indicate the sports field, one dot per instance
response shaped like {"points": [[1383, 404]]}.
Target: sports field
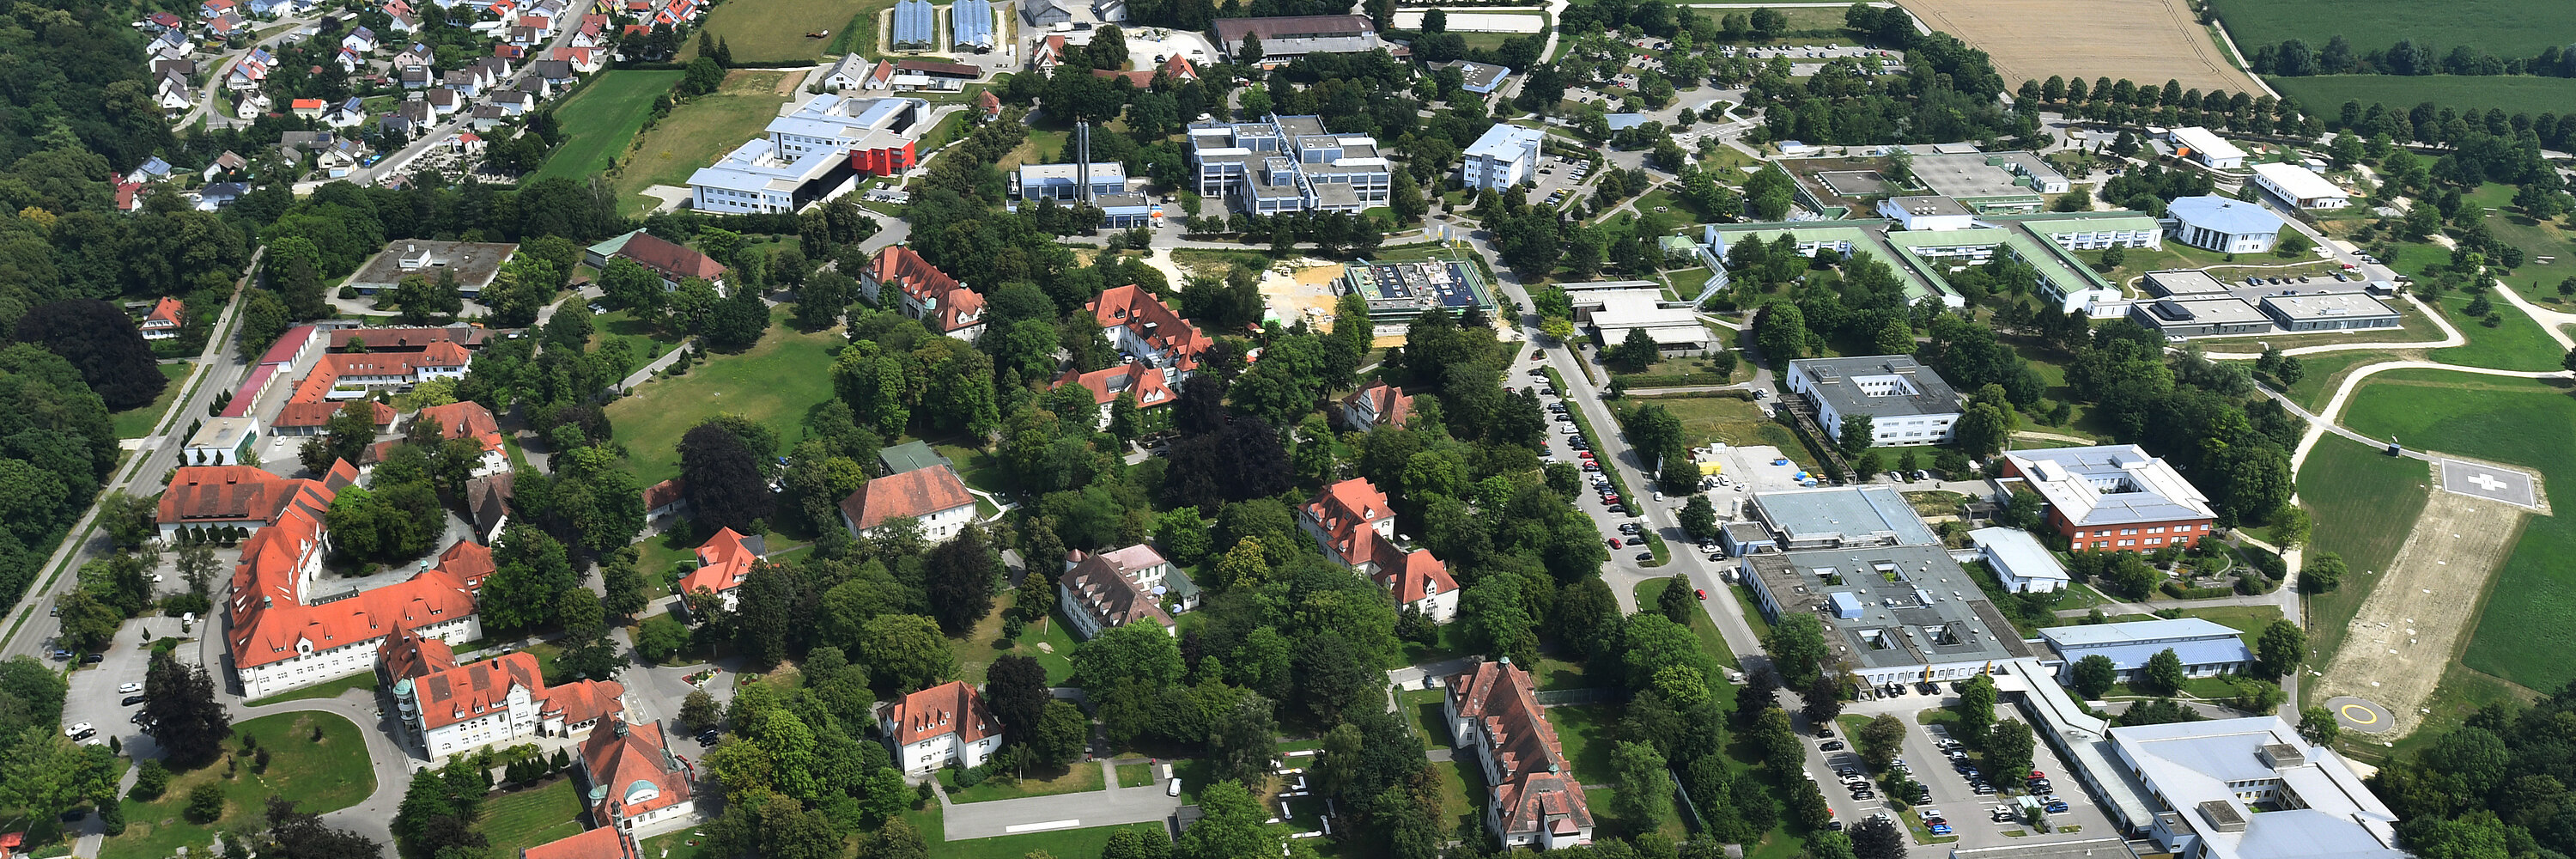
{"points": [[608, 114], [2511, 28], [2523, 634], [695, 134], [772, 32], [2148, 41], [2325, 94]]}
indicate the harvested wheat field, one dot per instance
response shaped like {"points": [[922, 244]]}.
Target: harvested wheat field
{"points": [[2147, 41], [2408, 631]]}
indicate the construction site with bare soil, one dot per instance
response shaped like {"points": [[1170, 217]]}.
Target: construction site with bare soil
{"points": [[2146, 41]]}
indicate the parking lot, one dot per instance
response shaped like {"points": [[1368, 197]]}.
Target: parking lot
{"points": [[1967, 813], [1560, 180], [97, 691]]}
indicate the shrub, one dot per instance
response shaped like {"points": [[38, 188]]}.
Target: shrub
{"points": [[112, 816], [150, 780], [205, 803]]}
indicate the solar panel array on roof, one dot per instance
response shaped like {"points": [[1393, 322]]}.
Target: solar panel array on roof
{"points": [[913, 27], [970, 24]]}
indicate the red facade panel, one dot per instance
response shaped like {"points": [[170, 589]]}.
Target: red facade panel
{"points": [[884, 161]]}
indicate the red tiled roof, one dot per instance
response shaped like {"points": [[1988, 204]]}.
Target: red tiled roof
{"points": [[467, 419], [267, 631], [1411, 576], [723, 562], [1139, 311], [473, 689], [606, 842], [671, 261], [470, 562], [925, 284], [1345, 509], [1390, 404], [165, 313], [1534, 790], [948, 708], [622, 757], [662, 493], [412, 339], [1146, 382], [988, 102], [205, 493], [305, 104], [407, 655], [318, 412], [917, 493]]}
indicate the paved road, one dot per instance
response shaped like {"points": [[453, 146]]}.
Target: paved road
{"points": [[423, 140], [1110, 807], [221, 65]]}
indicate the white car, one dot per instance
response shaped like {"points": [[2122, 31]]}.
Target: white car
{"points": [[79, 731], [1172, 789], [129, 688]]}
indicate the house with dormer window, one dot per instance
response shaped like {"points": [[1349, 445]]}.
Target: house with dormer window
{"points": [[938, 726], [1533, 799], [1354, 526], [923, 292], [1153, 394], [452, 709]]}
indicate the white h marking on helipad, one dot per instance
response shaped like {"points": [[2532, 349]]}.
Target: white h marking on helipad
{"points": [[2487, 482]]}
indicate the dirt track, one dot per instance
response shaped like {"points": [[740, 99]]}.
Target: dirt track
{"points": [[2410, 629], [2147, 41]]}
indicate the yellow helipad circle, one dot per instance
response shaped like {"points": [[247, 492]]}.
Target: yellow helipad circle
{"points": [[2360, 714]]}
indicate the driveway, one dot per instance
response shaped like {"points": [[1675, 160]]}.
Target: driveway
{"points": [[1084, 810]]}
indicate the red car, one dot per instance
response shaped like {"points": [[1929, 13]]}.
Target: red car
{"points": [[1584, 453], [2035, 774], [1613, 541], [1609, 498], [1702, 593], [1591, 466]]}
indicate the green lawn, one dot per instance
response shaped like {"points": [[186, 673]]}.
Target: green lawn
{"points": [[1587, 730], [522, 819], [1135, 775], [1062, 843], [773, 382], [608, 113], [329, 775], [361, 680], [695, 134], [138, 422], [1734, 421], [2364, 503], [2522, 634], [1684, 370], [2322, 373], [2502, 27], [765, 32], [1082, 776], [1425, 708], [2518, 344], [655, 340], [673, 845], [1056, 656]]}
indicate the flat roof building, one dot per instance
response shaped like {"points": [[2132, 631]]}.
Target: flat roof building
{"points": [[2238, 789], [2202, 145], [1064, 182], [1839, 517], [2329, 312], [1906, 402], [2182, 283], [1927, 213], [2207, 649], [1289, 37], [1894, 614], [2113, 497], [1281, 164], [473, 264], [1506, 155], [756, 178], [2019, 561], [1989, 182], [878, 134], [1479, 78], [2190, 316], [1397, 292], [2220, 224], [1611, 309], [2300, 186]]}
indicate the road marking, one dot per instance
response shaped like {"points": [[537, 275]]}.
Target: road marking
{"points": [[2360, 714], [1041, 827]]}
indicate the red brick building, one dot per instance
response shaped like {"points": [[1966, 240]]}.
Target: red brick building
{"points": [[2113, 497]]}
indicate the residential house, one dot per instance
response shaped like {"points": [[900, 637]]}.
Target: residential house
{"points": [[361, 40], [1116, 588], [229, 162], [445, 101], [228, 26], [636, 784], [1533, 799], [470, 420], [349, 114], [554, 73], [943, 724], [1153, 395], [212, 9], [510, 102], [933, 497], [1354, 525], [923, 292], [584, 59], [348, 60], [152, 169], [1147, 331], [250, 71], [413, 77], [1048, 54], [723, 562], [673, 262], [487, 504], [416, 55], [1379, 404], [172, 92], [499, 701], [486, 117], [308, 108], [216, 195], [988, 105], [664, 499], [167, 317]]}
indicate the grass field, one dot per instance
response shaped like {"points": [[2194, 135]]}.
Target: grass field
{"points": [[1803, 21], [2364, 503], [699, 132], [1733, 421], [2518, 344], [2509, 93], [523, 819], [137, 422], [772, 32], [2248, 619], [1082, 776], [320, 776], [2522, 635], [2325, 371], [608, 113], [2510, 28], [773, 382]]}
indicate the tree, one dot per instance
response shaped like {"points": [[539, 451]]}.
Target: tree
{"points": [[296, 835], [1699, 518], [206, 803], [1061, 734], [959, 578], [197, 567], [1675, 602], [2094, 675], [907, 652], [723, 478], [2163, 674], [1976, 706], [1015, 687], [2318, 725], [1880, 740], [1635, 352], [1877, 838], [2281, 648], [623, 589], [1824, 700], [1245, 740], [699, 710], [1249, 52], [1855, 435], [1231, 826], [1645, 794], [186, 720], [2008, 748], [102, 344], [43, 772], [2321, 572], [1797, 647]]}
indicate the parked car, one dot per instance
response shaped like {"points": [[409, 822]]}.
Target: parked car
{"points": [[1636, 541], [129, 688], [93, 658], [1613, 541], [131, 700], [2055, 806], [1645, 556], [1701, 593], [1830, 746]]}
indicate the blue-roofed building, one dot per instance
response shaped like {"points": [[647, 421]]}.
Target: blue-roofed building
{"points": [[970, 25], [914, 26], [2207, 649], [2221, 224]]}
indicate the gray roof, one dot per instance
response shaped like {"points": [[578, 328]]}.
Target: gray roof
{"points": [[2335, 306], [970, 22], [2130, 645], [1835, 385], [913, 22], [1890, 606], [2188, 767], [2109, 485], [1842, 516], [909, 456], [2095, 848], [1929, 205], [2221, 309], [2184, 282], [2224, 215], [2018, 553], [1480, 78]]}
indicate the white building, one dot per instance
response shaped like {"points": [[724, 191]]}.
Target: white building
{"points": [[876, 133], [1505, 156], [2202, 145], [1289, 164], [222, 441], [1907, 403], [933, 497], [2206, 648], [1927, 213], [1117, 588], [1063, 183], [502, 700], [1611, 309], [2019, 560], [755, 178], [943, 724], [2219, 224], [636, 785], [2300, 186], [2194, 788]]}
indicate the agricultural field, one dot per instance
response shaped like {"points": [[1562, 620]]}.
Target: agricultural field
{"points": [[2145, 41], [699, 132], [773, 32], [609, 113], [1805, 23], [2512, 94], [2522, 635], [2502, 27]]}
